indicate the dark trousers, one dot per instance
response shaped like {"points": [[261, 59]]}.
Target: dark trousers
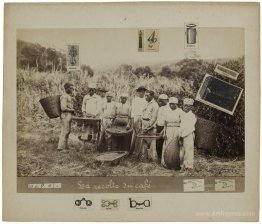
{"points": [[159, 142]]}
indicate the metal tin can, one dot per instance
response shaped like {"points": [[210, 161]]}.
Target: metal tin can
{"points": [[191, 33]]}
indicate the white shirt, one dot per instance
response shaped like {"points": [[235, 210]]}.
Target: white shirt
{"points": [[188, 121], [161, 115], [102, 102], [109, 110], [91, 104], [122, 109], [137, 106], [173, 116], [150, 112]]}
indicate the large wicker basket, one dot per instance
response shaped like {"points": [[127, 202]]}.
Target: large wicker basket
{"points": [[112, 158], [119, 130], [51, 106]]}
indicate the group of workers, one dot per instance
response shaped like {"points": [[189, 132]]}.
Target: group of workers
{"points": [[160, 119]]}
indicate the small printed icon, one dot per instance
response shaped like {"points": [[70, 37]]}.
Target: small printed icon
{"points": [[222, 70], [148, 40], [72, 56], [194, 185], [224, 185], [73, 53], [83, 203], [191, 35], [140, 40], [152, 39], [140, 203], [109, 204]]}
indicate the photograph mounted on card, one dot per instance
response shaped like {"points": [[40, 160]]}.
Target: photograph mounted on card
{"points": [[103, 120], [132, 112]]}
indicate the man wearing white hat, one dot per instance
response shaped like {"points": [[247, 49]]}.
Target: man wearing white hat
{"points": [[172, 121], [108, 115], [90, 108], [123, 108], [102, 94], [160, 123], [187, 128]]}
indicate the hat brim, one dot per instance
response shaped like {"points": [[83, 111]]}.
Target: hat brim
{"points": [[141, 89]]}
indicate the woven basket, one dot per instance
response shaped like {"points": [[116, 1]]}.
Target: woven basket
{"points": [[86, 120], [119, 130], [51, 106], [171, 155], [111, 157]]}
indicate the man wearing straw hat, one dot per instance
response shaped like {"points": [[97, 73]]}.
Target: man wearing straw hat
{"points": [[102, 94], [108, 115], [66, 116], [90, 108], [137, 106]]}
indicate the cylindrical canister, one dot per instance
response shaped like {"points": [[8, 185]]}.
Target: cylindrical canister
{"points": [[191, 33]]}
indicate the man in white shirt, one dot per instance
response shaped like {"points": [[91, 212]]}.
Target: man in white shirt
{"points": [[187, 136], [91, 108], [123, 120], [102, 94], [123, 108], [149, 117], [137, 106], [160, 123], [171, 148], [108, 115]]}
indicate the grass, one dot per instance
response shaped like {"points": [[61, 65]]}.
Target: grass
{"points": [[37, 156]]}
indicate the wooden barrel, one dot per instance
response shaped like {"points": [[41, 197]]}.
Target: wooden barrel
{"points": [[206, 133], [51, 106], [171, 155]]}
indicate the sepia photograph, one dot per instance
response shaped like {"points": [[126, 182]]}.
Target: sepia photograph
{"points": [[131, 112], [134, 114]]}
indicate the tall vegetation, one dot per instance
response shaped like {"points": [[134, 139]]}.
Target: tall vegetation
{"points": [[181, 79]]}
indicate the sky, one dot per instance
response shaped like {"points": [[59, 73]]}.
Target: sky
{"points": [[110, 47]]}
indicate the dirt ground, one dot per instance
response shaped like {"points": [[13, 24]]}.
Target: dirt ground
{"points": [[37, 156]]}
